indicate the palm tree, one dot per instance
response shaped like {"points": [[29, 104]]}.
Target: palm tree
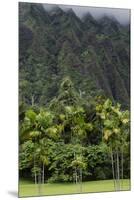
{"points": [[78, 127], [114, 126], [35, 127]]}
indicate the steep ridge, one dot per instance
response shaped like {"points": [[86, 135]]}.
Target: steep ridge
{"points": [[54, 44]]}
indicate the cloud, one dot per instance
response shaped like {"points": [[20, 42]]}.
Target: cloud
{"points": [[122, 15]]}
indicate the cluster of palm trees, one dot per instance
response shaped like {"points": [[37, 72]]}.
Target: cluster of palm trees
{"points": [[65, 119], [115, 128]]}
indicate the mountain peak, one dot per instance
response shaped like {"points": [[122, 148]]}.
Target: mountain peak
{"points": [[90, 21], [70, 10], [87, 16], [71, 13], [56, 10], [62, 44], [108, 19]]}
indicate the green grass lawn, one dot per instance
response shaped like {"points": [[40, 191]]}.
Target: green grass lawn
{"points": [[27, 188]]}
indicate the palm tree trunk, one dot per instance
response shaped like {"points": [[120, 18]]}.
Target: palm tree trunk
{"points": [[39, 183], [35, 178], [76, 180], [80, 180], [35, 175], [43, 173], [122, 167], [118, 170], [113, 171], [75, 170]]}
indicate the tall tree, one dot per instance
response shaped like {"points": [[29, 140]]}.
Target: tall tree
{"points": [[115, 131]]}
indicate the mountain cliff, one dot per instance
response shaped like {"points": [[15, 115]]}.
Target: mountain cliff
{"points": [[54, 44]]}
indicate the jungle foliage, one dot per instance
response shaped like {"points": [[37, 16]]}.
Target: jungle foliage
{"points": [[74, 140], [74, 97], [54, 44]]}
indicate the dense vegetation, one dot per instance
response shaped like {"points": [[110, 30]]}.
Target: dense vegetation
{"points": [[74, 139], [94, 54], [73, 73]]}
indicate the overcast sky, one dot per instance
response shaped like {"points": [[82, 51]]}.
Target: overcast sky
{"points": [[122, 15]]}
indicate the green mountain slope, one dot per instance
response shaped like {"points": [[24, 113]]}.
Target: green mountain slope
{"points": [[55, 44]]}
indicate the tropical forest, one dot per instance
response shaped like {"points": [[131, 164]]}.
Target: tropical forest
{"points": [[74, 102]]}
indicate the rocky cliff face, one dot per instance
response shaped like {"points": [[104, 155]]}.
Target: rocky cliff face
{"points": [[52, 45]]}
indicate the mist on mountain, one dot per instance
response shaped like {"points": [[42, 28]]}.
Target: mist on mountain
{"points": [[121, 15], [54, 43]]}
